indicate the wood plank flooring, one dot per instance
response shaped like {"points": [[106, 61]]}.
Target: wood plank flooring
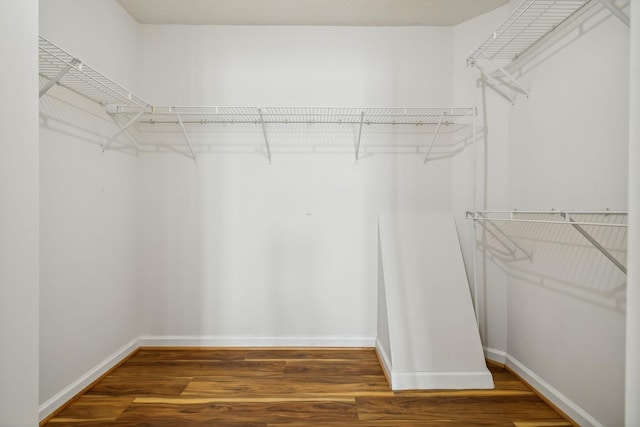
{"points": [[288, 388]]}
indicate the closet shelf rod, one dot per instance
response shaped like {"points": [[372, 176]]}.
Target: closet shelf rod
{"points": [[481, 216], [553, 212]]}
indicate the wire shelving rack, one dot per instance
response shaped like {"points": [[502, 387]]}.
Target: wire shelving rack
{"points": [[576, 219], [527, 24], [58, 67], [530, 23]]}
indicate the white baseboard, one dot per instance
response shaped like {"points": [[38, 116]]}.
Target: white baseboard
{"points": [[433, 380], [225, 341], [441, 380], [384, 358], [563, 403], [495, 355], [62, 397]]}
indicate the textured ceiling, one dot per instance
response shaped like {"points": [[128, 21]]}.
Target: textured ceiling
{"points": [[308, 12]]}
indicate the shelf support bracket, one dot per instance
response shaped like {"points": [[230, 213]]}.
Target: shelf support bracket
{"points": [[616, 12], [504, 245], [122, 129], [493, 83], [435, 135], [359, 136], [594, 242], [186, 137], [264, 133], [508, 76], [505, 235], [57, 78], [134, 143]]}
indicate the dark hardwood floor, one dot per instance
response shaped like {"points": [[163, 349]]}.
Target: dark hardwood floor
{"points": [[288, 388]]}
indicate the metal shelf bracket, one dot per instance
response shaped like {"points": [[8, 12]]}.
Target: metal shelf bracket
{"points": [[186, 137], [63, 71], [435, 135], [608, 4], [594, 242], [264, 133], [122, 129], [359, 136], [495, 83], [502, 234], [484, 216]]}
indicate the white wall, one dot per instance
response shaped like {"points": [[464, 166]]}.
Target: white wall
{"points": [[19, 217], [88, 203], [566, 150], [294, 66], [236, 247]]}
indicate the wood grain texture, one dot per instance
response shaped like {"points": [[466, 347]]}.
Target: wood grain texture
{"points": [[289, 388]]}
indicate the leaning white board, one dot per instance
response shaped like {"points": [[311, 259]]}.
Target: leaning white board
{"points": [[427, 331]]}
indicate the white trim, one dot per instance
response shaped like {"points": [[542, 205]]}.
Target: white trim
{"points": [[441, 380], [229, 341], [67, 393], [495, 355], [565, 404], [384, 358]]}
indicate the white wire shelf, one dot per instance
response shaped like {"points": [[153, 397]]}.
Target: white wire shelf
{"points": [[606, 218], [528, 23], [137, 116], [576, 219], [57, 66], [417, 116], [271, 121]]}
